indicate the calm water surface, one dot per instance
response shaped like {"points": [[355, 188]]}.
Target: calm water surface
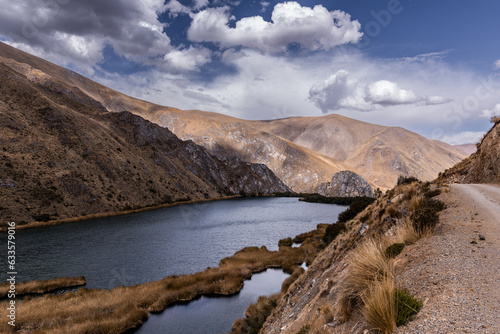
{"points": [[214, 315], [148, 246]]}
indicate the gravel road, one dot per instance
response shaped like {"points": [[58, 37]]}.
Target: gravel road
{"points": [[456, 272]]}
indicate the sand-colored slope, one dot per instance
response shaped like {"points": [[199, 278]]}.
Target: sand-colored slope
{"points": [[303, 152], [379, 153]]}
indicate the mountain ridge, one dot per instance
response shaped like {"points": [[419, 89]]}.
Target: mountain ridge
{"points": [[303, 152]]}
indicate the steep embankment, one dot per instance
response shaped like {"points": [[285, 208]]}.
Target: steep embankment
{"points": [[64, 155], [483, 166], [302, 152]]}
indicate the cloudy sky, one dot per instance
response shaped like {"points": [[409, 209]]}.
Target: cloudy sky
{"points": [[432, 67]]}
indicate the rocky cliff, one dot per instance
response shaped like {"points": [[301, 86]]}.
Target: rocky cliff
{"points": [[64, 155], [345, 184]]}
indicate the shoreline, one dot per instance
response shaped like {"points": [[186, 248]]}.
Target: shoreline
{"points": [[118, 213]]}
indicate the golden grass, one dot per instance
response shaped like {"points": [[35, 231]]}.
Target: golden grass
{"points": [[379, 304], [123, 308], [36, 287], [366, 264]]}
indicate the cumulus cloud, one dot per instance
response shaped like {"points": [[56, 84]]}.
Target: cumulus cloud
{"points": [[497, 64], [77, 31], [489, 113], [188, 59], [340, 91], [313, 28]]}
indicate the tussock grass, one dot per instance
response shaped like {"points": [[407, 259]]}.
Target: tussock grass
{"points": [[40, 287], [366, 265], [379, 304]]}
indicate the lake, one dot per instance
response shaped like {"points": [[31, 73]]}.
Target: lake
{"points": [[147, 246]]}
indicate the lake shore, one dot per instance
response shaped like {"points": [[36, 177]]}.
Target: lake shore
{"points": [[116, 213]]}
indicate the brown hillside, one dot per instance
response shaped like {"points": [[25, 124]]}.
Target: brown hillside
{"points": [[483, 166], [63, 155], [302, 152], [378, 153]]}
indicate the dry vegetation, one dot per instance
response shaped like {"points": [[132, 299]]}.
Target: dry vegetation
{"points": [[40, 287], [352, 283], [124, 308]]}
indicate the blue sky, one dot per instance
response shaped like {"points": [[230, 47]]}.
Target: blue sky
{"points": [[432, 67]]}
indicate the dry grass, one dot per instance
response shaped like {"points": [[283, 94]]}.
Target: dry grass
{"points": [[406, 233], [124, 308], [366, 264], [379, 304], [36, 287]]}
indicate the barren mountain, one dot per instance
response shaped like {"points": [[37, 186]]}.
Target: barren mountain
{"points": [[302, 152], [378, 153], [64, 155], [467, 148]]}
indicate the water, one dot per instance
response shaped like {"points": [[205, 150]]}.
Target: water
{"points": [[148, 246], [198, 316]]}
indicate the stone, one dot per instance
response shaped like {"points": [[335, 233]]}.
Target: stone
{"points": [[345, 184]]}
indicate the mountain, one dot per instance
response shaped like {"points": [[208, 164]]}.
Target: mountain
{"points": [[64, 155], [303, 152], [378, 153], [483, 166], [467, 148]]}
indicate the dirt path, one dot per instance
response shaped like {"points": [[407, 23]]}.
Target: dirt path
{"points": [[457, 271]]}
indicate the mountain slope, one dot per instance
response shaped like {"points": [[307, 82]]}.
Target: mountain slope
{"points": [[378, 153], [302, 152], [63, 155], [483, 166]]}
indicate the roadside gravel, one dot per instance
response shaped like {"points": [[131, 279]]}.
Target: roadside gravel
{"points": [[456, 272]]}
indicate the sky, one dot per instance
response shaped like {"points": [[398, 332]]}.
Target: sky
{"points": [[432, 67]]}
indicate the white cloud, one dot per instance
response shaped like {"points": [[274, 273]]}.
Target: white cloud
{"points": [[489, 113], [76, 32], [497, 64], [313, 28], [340, 91], [465, 137], [188, 59], [385, 92]]}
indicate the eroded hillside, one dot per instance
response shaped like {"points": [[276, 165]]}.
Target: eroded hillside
{"points": [[64, 155], [302, 152], [483, 166]]}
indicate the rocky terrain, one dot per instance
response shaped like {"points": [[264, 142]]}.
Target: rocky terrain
{"points": [[345, 184], [483, 166], [64, 155], [378, 153], [302, 152]]}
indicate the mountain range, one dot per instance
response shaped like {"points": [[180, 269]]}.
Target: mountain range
{"points": [[44, 105]]}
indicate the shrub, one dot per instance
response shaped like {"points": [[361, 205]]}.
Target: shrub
{"points": [[356, 207], [406, 179], [332, 231], [407, 306], [285, 242], [425, 213], [432, 193], [394, 250]]}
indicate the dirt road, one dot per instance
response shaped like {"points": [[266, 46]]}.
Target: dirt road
{"points": [[456, 272]]}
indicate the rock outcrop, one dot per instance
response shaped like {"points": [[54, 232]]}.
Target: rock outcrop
{"points": [[345, 184]]}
